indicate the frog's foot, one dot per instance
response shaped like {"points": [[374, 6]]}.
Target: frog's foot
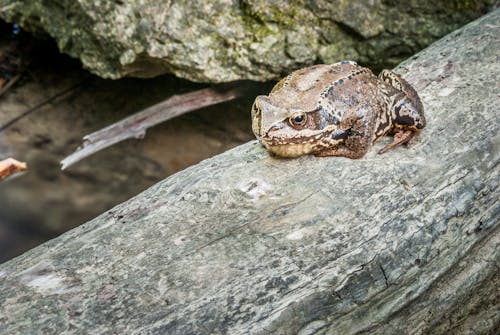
{"points": [[341, 151], [401, 137]]}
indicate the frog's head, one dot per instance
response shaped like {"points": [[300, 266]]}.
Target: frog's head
{"points": [[287, 131]]}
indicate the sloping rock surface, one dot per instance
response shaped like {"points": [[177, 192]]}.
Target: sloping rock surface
{"points": [[225, 40], [244, 243]]}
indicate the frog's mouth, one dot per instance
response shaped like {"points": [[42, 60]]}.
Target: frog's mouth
{"points": [[277, 137], [284, 144], [291, 149], [281, 135]]}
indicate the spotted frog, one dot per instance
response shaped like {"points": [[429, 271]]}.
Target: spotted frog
{"points": [[336, 110]]}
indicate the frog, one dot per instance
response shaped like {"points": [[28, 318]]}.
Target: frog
{"points": [[338, 109]]}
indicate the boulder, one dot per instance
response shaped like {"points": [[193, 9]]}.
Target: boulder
{"points": [[220, 41], [245, 243]]}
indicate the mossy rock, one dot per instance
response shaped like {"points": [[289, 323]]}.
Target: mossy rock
{"points": [[220, 41]]}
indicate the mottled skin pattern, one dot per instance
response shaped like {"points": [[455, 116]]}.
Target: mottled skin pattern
{"points": [[336, 110]]}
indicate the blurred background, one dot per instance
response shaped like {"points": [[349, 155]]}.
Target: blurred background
{"points": [[44, 201]]}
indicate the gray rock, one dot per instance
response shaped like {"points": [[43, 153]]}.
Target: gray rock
{"points": [[218, 41], [244, 243]]}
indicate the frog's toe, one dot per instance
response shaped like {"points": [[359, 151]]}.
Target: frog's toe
{"points": [[401, 137]]}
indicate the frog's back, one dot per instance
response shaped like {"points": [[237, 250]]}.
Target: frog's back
{"points": [[338, 86]]}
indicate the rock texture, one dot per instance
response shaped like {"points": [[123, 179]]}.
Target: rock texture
{"points": [[225, 40], [244, 243]]}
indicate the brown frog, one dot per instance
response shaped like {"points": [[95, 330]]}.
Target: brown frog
{"points": [[336, 110]]}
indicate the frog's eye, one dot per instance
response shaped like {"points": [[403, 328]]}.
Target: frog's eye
{"points": [[298, 119]]}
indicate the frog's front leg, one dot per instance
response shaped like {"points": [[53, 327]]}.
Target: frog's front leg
{"points": [[355, 135], [406, 122], [406, 107], [401, 137]]}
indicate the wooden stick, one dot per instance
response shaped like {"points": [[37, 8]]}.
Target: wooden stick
{"points": [[35, 108], [135, 126], [9, 84], [11, 166]]}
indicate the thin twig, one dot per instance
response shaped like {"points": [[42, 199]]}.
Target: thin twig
{"points": [[135, 126], [9, 84], [41, 104]]}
